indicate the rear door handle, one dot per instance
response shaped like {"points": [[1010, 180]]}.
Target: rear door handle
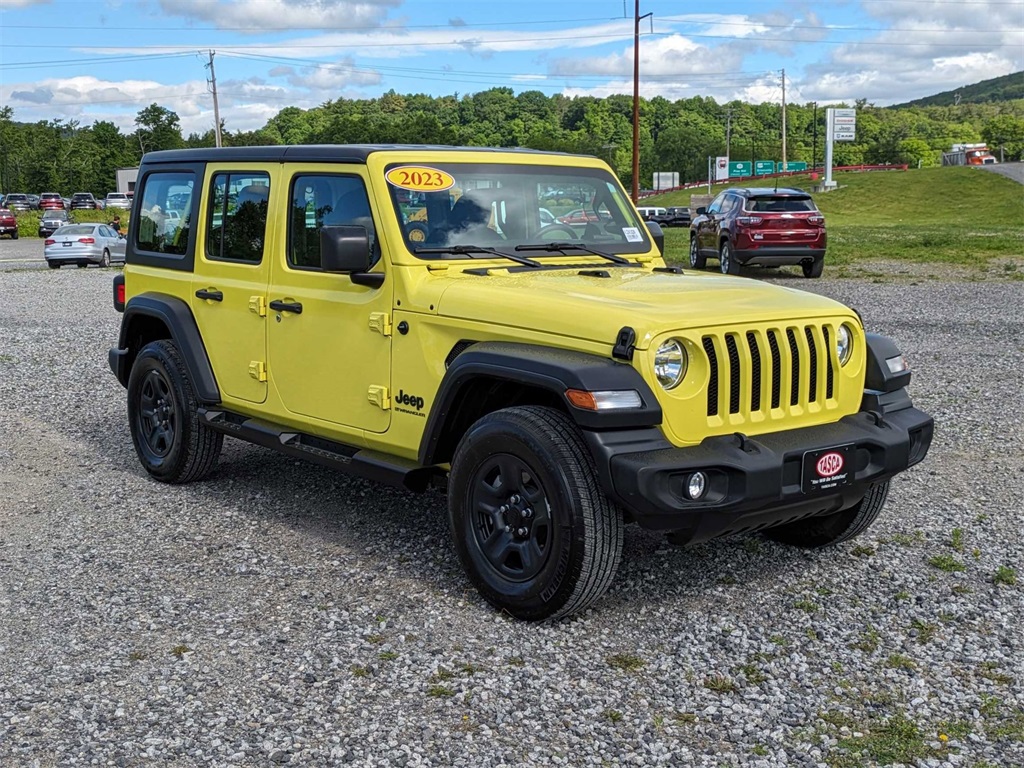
{"points": [[286, 306], [212, 295]]}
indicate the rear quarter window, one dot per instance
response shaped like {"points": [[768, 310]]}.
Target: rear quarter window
{"points": [[158, 231]]}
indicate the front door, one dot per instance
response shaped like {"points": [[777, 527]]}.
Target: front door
{"points": [[329, 339], [231, 273]]}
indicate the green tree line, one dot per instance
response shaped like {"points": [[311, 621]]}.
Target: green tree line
{"points": [[65, 156]]}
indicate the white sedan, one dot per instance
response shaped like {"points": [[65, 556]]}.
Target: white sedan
{"points": [[84, 244]]}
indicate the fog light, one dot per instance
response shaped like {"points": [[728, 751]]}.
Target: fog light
{"points": [[696, 485]]}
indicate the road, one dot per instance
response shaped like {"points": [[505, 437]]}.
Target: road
{"points": [[25, 252], [1013, 171]]}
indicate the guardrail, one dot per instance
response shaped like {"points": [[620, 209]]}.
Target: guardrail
{"points": [[811, 172]]}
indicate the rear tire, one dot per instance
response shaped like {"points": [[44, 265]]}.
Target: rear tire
{"points": [[532, 528], [171, 442], [726, 261], [14, 236], [836, 528], [814, 268], [697, 259]]}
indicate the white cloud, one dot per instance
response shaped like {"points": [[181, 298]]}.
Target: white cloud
{"points": [[390, 42], [342, 74], [263, 15]]}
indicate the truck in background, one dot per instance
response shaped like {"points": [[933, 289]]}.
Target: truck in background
{"points": [[969, 154]]}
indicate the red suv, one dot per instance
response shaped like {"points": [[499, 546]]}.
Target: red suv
{"points": [[8, 224], [769, 227], [50, 201]]}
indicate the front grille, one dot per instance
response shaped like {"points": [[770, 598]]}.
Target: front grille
{"points": [[761, 370]]}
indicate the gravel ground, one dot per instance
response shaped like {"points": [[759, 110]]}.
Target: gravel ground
{"points": [[279, 613]]}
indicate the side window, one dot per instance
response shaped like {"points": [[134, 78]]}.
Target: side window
{"points": [[323, 200], [158, 231], [716, 204], [236, 226]]}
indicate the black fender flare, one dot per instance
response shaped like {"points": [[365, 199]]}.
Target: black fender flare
{"points": [[878, 377], [548, 368], [176, 315]]}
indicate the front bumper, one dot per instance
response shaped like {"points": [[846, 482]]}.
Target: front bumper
{"points": [[757, 482]]}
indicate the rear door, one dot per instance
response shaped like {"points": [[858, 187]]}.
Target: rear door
{"points": [[232, 266]]}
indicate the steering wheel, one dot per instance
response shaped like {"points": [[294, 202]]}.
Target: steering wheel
{"points": [[558, 227]]}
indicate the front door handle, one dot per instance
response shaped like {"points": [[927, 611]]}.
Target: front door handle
{"points": [[212, 295], [286, 306]]}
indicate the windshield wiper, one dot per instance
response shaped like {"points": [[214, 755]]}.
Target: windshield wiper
{"points": [[566, 246], [469, 250]]}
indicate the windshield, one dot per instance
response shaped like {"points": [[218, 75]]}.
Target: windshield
{"points": [[503, 205]]}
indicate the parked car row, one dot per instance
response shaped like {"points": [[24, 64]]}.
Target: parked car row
{"points": [[51, 220], [20, 201]]}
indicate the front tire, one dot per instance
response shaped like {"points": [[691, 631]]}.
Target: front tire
{"points": [[171, 442], [697, 259], [105, 259], [53, 264], [534, 532], [836, 528], [726, 260]]}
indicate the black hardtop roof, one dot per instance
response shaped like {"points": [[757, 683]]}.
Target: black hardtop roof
{"points": [[770, 191], [313, 153]]}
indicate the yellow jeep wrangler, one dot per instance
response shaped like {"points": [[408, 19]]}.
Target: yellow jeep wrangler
{"points": [[545, 367]]}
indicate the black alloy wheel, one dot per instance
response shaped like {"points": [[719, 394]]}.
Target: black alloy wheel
{"points": [[512, 528], [157, 419]]}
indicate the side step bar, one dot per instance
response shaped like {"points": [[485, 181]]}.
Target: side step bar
{"points": [[371, 465]]}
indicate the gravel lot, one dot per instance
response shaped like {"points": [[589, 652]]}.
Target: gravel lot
{"points": [[279, 613]]}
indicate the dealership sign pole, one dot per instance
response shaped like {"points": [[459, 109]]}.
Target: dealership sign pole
{"points": [[840, 125]]}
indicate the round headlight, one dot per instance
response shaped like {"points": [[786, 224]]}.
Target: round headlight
{"points": [[844, 344], [670, 364]]}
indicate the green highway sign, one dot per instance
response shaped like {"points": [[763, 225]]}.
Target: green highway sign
{"points": [[739, 168], [793, 165], [762, 167]]}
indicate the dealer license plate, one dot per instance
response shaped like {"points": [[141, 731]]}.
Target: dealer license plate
{"points": [[828, 468]]}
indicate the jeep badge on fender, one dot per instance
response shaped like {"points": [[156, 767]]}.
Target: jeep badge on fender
{"points": [[267, 295]]}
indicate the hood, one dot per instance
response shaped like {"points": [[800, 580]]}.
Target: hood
{"points": [[594, 308]]}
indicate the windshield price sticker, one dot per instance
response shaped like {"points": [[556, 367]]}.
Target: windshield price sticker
{"points": [[418, 178], [632, 235]]}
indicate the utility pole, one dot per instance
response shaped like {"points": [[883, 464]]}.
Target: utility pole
{"points": [[636, 99], [216, 107], [784, 120], [728, 132]]}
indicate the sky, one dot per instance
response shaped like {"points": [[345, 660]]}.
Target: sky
{"points": [[89, 60]]}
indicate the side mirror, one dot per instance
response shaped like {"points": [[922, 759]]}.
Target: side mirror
{"points": [[702, 210], [657, 235], [345, 249]]}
